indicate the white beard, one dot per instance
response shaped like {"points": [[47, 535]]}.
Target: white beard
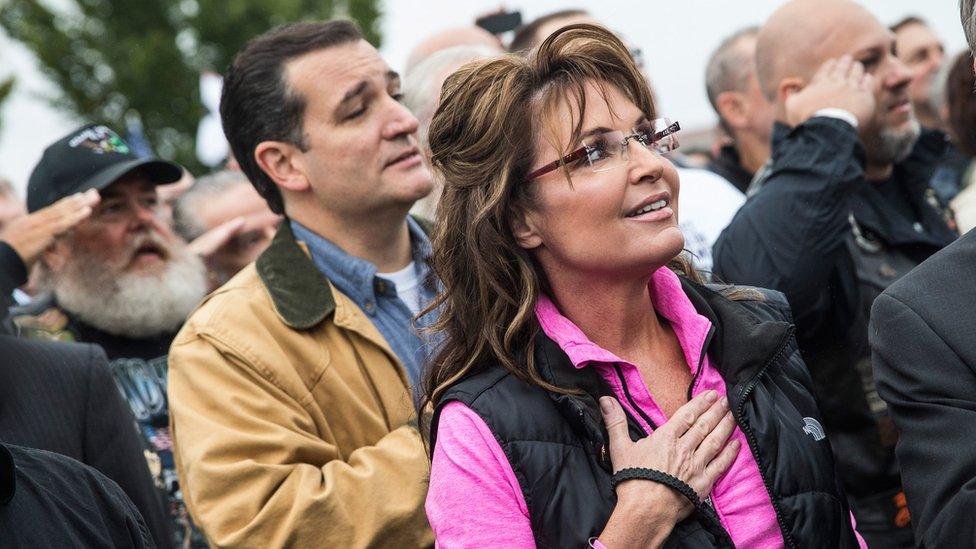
{"points": [[133, 305]]}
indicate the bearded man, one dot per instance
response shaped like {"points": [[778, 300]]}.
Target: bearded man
{"points": [[120, 279], [843, 210]]}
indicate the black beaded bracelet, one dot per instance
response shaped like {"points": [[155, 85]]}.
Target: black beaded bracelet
{"points": [[639, 473]]}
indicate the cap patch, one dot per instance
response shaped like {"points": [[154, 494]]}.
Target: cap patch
{"points": [[100, 140]]}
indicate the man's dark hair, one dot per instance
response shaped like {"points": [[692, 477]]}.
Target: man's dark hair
{"points": [[525, 36], [906, 21], [257, 105]]}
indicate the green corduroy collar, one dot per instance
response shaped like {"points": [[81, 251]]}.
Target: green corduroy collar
{"points": [[300, 292]]}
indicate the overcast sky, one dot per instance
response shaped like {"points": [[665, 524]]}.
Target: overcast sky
{"points": [[676, 38]]}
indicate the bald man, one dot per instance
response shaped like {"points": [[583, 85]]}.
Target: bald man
{"points": [[842, 212], [452, 38]]}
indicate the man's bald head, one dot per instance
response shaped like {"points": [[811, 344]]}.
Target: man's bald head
{"points": [[450, 38], [802, 34]]}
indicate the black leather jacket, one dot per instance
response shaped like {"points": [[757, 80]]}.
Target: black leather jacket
{"points": [[831, 241]]}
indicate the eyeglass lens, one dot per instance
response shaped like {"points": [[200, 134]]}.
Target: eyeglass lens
{"points": [[610, 149]]}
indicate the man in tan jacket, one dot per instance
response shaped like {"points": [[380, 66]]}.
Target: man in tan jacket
{"points": [[290, 386]]}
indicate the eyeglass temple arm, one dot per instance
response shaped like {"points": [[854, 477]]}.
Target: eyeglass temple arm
{"points": [[673, 128], [571, 157]]}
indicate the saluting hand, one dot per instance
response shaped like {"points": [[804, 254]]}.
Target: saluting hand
{"points": [[32, 234], [840, 84]]}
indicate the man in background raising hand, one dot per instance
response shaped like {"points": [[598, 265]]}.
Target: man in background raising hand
{"points": [[841, 82], [843, 211], [24, 239]]}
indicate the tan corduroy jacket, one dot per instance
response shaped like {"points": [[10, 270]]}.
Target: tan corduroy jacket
{"points": [[289, 416]]}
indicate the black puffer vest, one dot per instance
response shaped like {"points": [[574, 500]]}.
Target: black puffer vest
{"points": [[556, 443]]}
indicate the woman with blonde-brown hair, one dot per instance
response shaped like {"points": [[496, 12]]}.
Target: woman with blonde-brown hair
{"points": [[589, 388]]}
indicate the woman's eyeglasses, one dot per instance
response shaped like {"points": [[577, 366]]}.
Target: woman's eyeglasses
{"points": [[608, 150]]}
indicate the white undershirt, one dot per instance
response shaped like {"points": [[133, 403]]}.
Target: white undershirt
{"points": [[407, 286]]}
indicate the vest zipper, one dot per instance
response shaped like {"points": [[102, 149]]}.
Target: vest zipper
{"points": [[711, 515], [630, 399], [701, 361], [753, 444], [691, 388]]}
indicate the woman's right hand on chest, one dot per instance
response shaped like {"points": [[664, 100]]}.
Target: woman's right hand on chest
{"points": [[693, 446]]}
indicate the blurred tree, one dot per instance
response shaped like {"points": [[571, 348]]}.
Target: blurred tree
{"points": [[6, 86], [119, 61]]}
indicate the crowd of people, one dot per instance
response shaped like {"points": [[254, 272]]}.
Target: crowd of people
{"points": [[490, 302]]}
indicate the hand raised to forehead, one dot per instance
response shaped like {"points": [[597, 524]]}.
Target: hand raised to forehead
{"points": [[838, 84], [210, 242], [30, 235]]}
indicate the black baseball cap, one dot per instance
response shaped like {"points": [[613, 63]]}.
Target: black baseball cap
{"points": [[91, 157]]}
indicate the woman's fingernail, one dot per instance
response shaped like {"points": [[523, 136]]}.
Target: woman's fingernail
{"points": [[605, 405], [711, 395]]}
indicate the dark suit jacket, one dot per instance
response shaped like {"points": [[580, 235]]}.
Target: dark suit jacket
{"points": [[13, 274], [923, 335], [49, 500], [61, 397]]}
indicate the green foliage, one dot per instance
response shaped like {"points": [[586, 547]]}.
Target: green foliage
{"points": [[6, 86], [113, 59]]}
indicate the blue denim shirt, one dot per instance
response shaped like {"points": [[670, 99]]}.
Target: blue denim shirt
{"points": [[377, 296]]}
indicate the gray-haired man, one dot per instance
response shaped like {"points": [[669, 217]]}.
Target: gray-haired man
{"points": [[743, 111], [226, 208], [422, 93]]}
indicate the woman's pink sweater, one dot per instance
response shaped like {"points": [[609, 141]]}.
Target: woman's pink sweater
{"points": [[474, 498]]}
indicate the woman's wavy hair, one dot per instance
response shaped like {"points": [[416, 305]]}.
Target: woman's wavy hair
{"points": [[482, 142]]}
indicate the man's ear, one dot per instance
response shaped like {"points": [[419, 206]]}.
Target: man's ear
{"points": [[731, 108], [524, 230], [284, 163], [788, 86], [55, 256]]}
